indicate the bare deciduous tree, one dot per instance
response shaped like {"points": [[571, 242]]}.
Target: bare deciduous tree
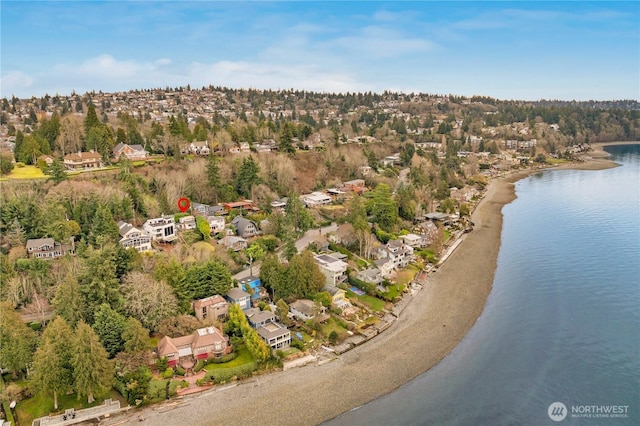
{"points": [[148, 300]]}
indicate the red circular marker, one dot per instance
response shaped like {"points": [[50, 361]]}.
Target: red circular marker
{"points": [[183, 204]]}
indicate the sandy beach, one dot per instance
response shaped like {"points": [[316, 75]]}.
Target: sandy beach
{"points": [[435, 321]]}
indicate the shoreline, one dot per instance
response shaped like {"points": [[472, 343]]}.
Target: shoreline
{"points": [[430, 327]]}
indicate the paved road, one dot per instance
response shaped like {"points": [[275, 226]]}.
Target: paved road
{"points": [[308, 236]]}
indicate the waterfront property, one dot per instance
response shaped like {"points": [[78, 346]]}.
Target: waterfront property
{"points": [[204, 343], [275, 335]]}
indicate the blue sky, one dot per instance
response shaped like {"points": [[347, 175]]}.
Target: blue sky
{"points": [[508, 50]]}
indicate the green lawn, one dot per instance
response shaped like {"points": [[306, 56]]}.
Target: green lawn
{"points": [[26, 172], [244, 357], [41, 404], [395, 291], [242, 365], [405, 276], [333, 325], [551, 160], [371, 302]]}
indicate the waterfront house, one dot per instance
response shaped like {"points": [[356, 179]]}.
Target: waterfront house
{"points": [[275, 335], [305, 309], [204, 343]]}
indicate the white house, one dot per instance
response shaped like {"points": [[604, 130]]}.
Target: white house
{"points": [[216, 223], [133, 237], [186, 223], [199, 148], [162, 229], [316, 199]]}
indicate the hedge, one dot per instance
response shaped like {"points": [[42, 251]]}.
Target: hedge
{"points": [[225, 374]]}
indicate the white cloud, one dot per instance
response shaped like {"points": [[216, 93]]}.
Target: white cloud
{"points": [[163, 61], [14, 82]]}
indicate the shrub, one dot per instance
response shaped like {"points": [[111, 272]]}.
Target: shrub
{"points": [[162, 364], [180, 371], [298, 344], [223, 359], [199, 366], [6, 163], [333, 337], [35, 326], [224, 374], [168, 373]]}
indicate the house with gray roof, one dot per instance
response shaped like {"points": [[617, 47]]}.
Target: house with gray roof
{"points": [[132, 237], [48, 248], [245, 228]]}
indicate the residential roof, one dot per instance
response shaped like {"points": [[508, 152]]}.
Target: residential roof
{"points": [[82, 156], [256, 316], [272, 330], [236, 293], [208, 301], [230, 240], [305, 306], [39, 242]]}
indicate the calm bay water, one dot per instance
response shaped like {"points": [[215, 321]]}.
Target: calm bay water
{"points": [[562, 322]]}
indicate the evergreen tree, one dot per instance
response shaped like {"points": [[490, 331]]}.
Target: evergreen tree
{"points": [[103, 225], [135, 336], [56, 170], [298, 215], [109, 326], [99, 282], [286, 139], [68, 301], [383, 207], [213, 176], [17, 340], [247, 177], [303, 277], [271, 272], [92, 369], [52, 360], [91, 120], [205, 280]]}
